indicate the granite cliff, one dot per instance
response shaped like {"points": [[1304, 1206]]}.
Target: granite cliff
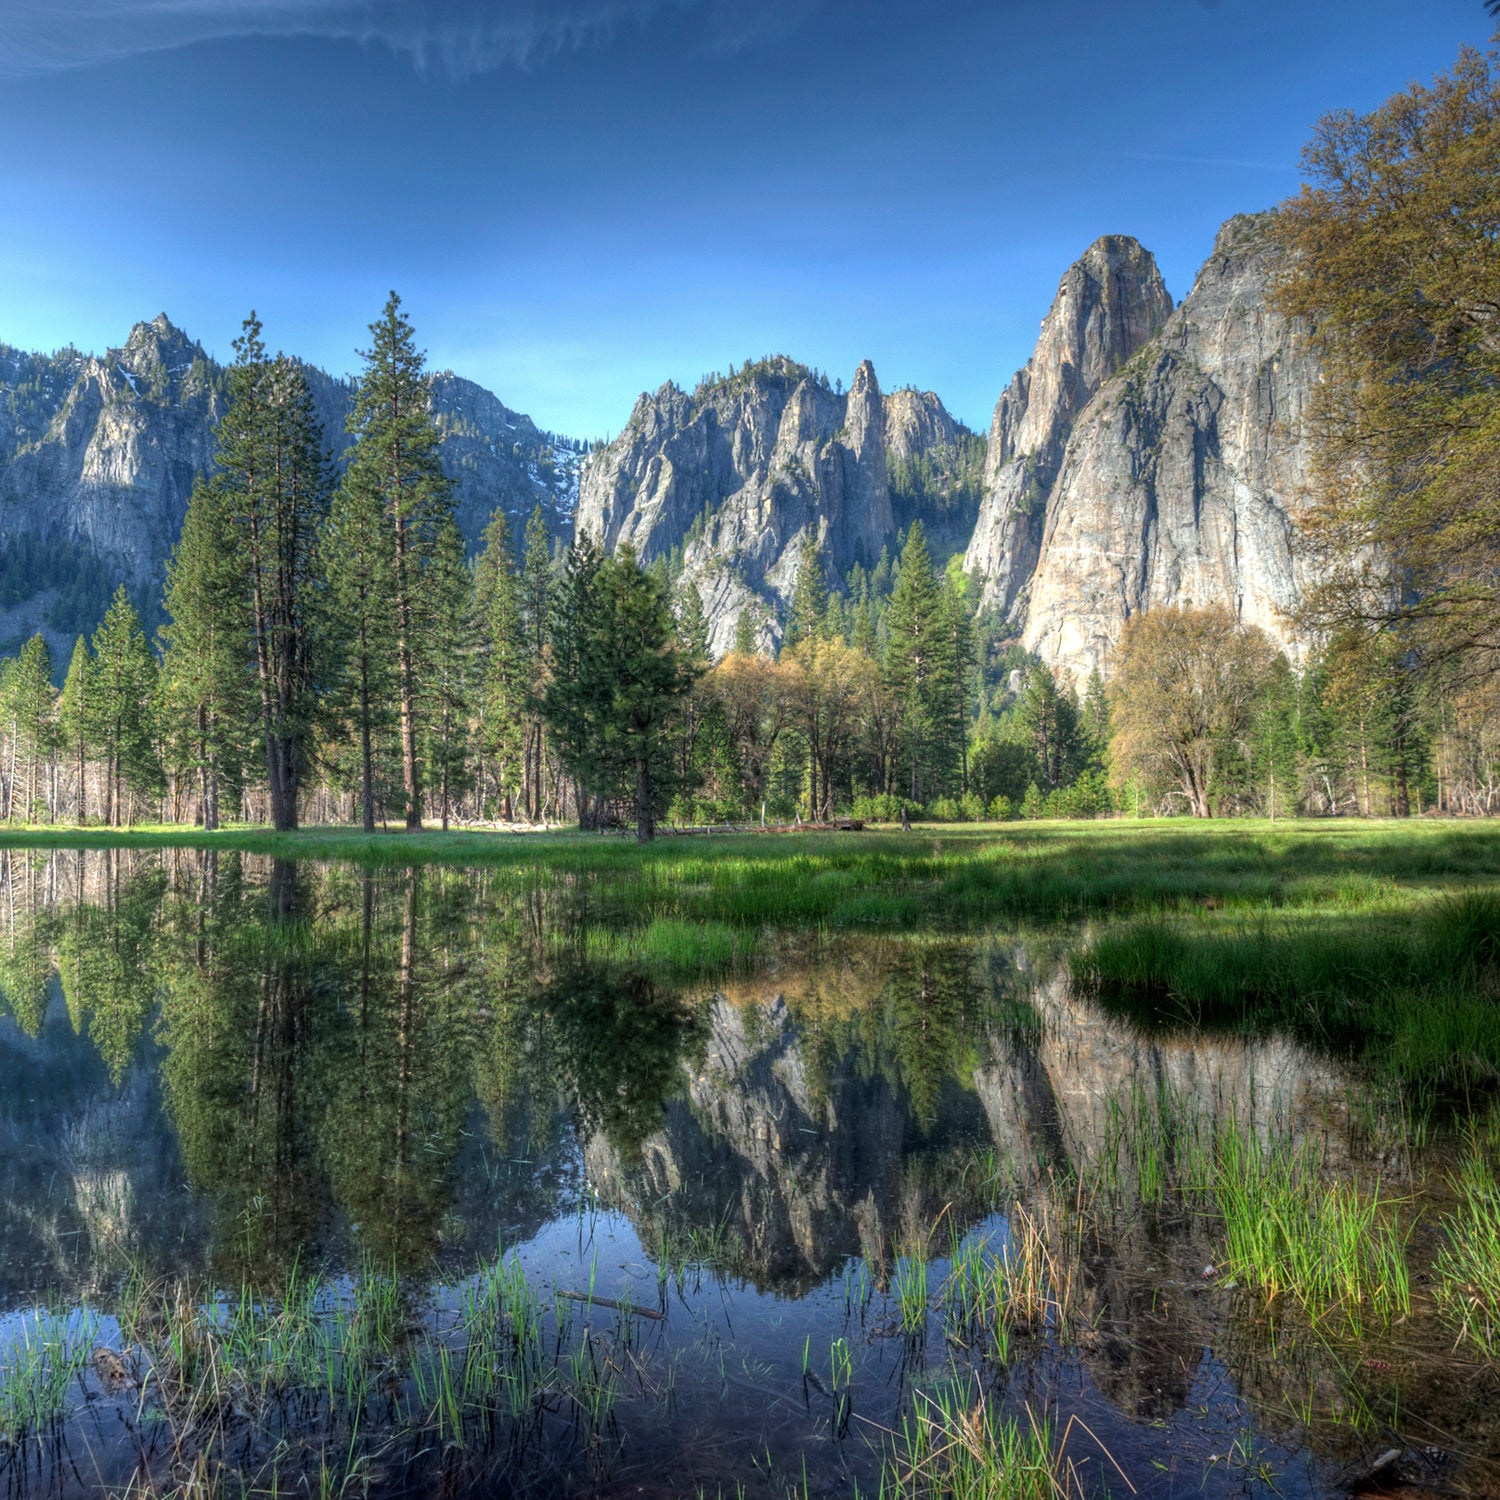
{"points": [[729, 479], [1144, 456], [1147, 457], [1108, 304], [98, 456], [1182, 477]]}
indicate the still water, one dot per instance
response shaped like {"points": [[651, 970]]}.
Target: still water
{"points": [[321, 1179]]}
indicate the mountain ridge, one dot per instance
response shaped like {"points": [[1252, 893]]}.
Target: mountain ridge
{"points": [[1147, 454], [99, 453]]}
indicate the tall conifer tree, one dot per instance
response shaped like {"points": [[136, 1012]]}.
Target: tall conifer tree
{"points": [[121, 692], [275, 478], [28, 710], [504, 670], [917, 660], [73, 722], [206, 690], [538, 583], [356, 561], [446, 653], [395, 466]]}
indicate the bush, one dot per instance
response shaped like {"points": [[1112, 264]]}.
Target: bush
{"points": [[1088, 797], [1001, 810], [1032, 805], [883, 808]]}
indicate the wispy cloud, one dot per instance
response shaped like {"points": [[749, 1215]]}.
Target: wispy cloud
{"points": [[457, 37]]}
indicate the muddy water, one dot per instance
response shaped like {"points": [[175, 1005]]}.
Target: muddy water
{"points": [[740, 1205]]}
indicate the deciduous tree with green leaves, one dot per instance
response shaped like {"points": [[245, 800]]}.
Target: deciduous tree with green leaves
{"points": [[1394, 258]]}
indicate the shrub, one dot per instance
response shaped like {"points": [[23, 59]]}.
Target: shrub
{"points": [[883, 808]]}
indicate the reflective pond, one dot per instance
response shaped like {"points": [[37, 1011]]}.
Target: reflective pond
{"points": [[316, 1179]]}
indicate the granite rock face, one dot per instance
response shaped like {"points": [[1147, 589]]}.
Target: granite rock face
{"points": [[98, 456], [1181, 480], [732, 477], [1110, 302], [109, 462]]}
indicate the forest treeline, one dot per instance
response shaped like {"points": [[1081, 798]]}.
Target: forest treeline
{"points": [[331, 653]]}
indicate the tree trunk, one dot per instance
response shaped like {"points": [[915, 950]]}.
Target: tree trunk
{"points": [[366, 763], [645, 803], [406, 683]]}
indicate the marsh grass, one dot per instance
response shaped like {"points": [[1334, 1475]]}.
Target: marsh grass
{"points": [[957, 1446], [307, 1388], [44, 1359], [1026, 1287], [1290, 1229], [1413, 987], [909, 1286], [1466, 1275]]}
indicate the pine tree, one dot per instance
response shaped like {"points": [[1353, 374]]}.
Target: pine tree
{"points": [[72, 720], [28, 701], [918, 663], [537, 586], [121, 689], [206, 692], [698, 704], [652, 676], [504, 678], [617, 681], [356, 560], [744, 632], [275, 480], [1049, 722], [445, 661], [573, 700], [396, 466], [957, 664], [809, 592]]}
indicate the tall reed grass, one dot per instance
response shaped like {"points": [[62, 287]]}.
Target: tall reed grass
{"points": [[1467, 1271], [1288, 1229]]}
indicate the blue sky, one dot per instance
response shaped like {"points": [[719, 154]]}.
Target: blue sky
{"points": [[580, 199]]}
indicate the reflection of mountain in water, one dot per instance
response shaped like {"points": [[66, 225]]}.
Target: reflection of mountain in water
{"points": [[400, 1060], [805, 1137]]}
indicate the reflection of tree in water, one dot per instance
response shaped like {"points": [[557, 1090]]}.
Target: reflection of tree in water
{"points": [[398, 1104], [250, 1035], [106, 960], [921, 1031], [26, 944], [621, 1043]]}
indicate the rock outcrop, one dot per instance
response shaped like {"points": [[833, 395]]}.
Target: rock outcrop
{"points": [[1144, 457], [730, 479], [1180, 481], [98, 456], [1110, 302]]}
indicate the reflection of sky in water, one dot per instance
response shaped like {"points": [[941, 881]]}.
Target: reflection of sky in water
{"points": [[413, 1067]]}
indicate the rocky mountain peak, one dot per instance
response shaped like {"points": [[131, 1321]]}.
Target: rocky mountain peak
{"points": [[99, 455], [1110, 301], [1182, 479]]}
